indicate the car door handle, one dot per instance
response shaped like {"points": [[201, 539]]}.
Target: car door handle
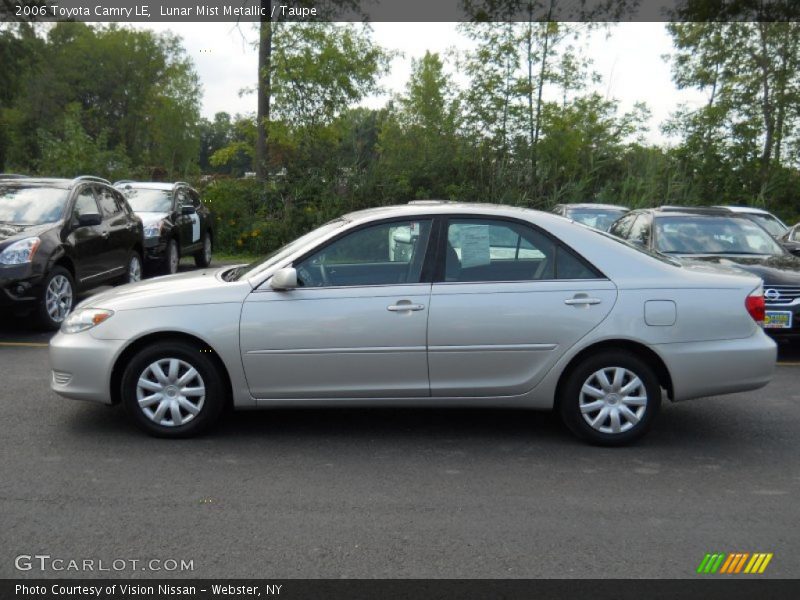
{"points": [[105, 235], [403, 306], [582, 301]]}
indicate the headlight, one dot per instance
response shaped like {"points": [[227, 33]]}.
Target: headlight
{"points": [[153, 229], [20, 252], [84, 319]]}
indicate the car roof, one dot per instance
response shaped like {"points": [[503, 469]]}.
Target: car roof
{"points": [[595, 205], [445, 207], [745, 209], [703, 211], [150, 185], [55, 182]]}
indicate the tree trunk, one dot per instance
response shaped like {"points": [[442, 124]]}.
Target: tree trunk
{"points": [[768, 113], [264, 92]]}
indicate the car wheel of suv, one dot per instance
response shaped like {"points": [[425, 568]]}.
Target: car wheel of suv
{"points": [[202, 258], [610, 399], [172, 390], [172, 258], [58, 298], [134, 269]]}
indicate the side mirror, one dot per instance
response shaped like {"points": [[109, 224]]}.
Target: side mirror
{"points": [[89, 220], [285, 279], [188, 210]]}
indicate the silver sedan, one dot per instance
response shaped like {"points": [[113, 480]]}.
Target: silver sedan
{"points": [[431, 303]]}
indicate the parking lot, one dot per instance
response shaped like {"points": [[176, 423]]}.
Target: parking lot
{"points": [[396, 493]]}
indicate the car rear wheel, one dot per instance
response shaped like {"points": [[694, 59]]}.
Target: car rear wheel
{"points": [[610, 399], [58, 298], [202, 258], [172, 390], [172, 258], [133, 271]]}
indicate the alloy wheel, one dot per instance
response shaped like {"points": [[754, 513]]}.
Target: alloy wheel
{"points": [[58, 298], [172, 258], [134, 269]]}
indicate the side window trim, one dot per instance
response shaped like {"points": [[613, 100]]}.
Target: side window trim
{"points": [[441, 252], [425, 272]]}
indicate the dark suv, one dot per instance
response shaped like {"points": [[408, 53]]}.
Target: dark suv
{"points": [[176, 223], [699, 237], [58, 236]]}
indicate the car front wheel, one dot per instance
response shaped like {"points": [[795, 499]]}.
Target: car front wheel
{"points": [[173, 390], [58, 298], [610, 399], [172, 258]]}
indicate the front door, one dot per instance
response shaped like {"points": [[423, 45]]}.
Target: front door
{"points": [[354, 328], [511, 302], [89, 242]]}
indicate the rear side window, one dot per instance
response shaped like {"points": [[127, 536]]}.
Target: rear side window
{"points": [[494, 250]]}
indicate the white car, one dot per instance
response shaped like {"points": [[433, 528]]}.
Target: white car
{"points": [[419, 305]]}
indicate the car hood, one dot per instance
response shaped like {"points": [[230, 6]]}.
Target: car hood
{"points": [[11, 233], [774, 270], [182, 289], [150, 218]]}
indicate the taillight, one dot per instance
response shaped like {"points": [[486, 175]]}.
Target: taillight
{"points": [[754, 304]]}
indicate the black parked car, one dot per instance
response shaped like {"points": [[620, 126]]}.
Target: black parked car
{"points": [[599, 216], [718, 237], [176, 223], [58, 236]]}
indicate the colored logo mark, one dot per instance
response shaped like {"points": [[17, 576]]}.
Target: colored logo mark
{"points": [[735, 562]]}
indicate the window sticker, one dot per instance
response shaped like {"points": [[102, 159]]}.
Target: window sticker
{"points": [[475, 250]]}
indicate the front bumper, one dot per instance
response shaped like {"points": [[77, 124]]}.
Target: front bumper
{"points": [[82, 365], [20, 286], [792, 331], [155, 249], [713, 368]]}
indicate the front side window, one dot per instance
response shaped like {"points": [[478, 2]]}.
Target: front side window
{"points": [[384, 254], [640, 232], [770, 223], [492, 250], [85, 203], [623, 226], [109, 204]]}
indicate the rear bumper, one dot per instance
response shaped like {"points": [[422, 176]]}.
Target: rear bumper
{"points": [[701, 369], [81, 366]]}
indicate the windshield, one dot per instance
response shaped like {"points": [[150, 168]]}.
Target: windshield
{"points": [[143, 200], [28, 205], [247, 271], [770, 223], [599, 218], [697, 234]]}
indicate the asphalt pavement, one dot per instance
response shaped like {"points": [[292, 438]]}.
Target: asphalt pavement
{"points": [[394, 493]]}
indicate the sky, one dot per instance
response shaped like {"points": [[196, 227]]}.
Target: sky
{"points": [[630, 58]]}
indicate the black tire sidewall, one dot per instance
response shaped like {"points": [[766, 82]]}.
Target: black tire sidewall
{"points": [[167, 268], [569, 401], [200, 255], [215, 393], [42, 316]]}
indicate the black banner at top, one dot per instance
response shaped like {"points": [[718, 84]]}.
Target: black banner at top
{"points": [[129, 11]]}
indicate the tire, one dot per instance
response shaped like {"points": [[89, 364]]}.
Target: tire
{"points": [[172, 256], [202, 258], [643, 400], [58, 299], [132, 274], [158, 418]]}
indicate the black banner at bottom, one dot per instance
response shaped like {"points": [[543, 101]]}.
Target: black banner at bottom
{"points": [[391, 589]]}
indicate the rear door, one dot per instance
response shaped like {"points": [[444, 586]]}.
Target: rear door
{"points": [[356, 326], [508, 303], [116, 224]]}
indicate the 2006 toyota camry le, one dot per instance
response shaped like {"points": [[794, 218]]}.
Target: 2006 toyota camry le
{"points": [[430, 303]]}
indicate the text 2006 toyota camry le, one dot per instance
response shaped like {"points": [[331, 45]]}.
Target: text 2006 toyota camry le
{"points": [[425, 304]]}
